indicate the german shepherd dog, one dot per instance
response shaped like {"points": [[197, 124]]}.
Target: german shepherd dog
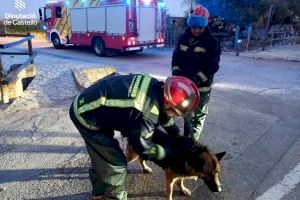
{"points": [[190, 160]]}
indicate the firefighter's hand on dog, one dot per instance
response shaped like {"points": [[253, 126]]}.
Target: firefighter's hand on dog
{"points": [[185, 159], [157, 152]]}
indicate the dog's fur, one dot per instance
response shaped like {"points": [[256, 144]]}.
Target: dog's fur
{"points": [[190, 161]]}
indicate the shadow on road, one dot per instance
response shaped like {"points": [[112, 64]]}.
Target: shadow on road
{"points": [[11, 175], [77, 196]]}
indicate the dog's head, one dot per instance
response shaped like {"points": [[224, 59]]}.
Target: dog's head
{"points": [[204, 164]]}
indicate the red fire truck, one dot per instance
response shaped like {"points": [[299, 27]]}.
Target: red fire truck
{"points": [[124, 25]]}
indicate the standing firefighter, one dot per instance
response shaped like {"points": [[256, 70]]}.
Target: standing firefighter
{"points": [[197, 57], [135, 105]]}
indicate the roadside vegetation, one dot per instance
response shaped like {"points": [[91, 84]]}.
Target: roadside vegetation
{"points": [[36, 30], [256, 23]]}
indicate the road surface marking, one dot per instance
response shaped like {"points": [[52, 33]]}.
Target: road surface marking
{"points": [[282, 188]]}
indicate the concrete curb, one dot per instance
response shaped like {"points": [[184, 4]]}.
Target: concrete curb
{"points": [[85, 77], [264, 57], [284, 52]]}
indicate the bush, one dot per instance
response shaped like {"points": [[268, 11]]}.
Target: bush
{"points": [[23, 29]]}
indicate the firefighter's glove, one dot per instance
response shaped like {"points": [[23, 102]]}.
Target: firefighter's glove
{"points": [[175, 71], [156, 152]]}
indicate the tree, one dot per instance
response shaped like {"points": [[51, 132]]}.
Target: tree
{"points": [[245, 12], [190, 4], [236, 11], [284, 11], [249, 11]]}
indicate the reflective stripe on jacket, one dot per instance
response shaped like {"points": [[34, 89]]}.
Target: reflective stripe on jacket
{"points": [[131, 104], [197, 57]]}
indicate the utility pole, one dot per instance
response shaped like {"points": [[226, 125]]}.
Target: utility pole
{"points": [[268, 25], [237, 41], [249, 32], [189, 3]]}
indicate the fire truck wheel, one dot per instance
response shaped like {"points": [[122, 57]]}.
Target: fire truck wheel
{"points": [[99, 47], [56, 42]]}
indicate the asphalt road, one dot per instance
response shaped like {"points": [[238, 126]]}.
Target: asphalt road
{"points": [[254, 115]]}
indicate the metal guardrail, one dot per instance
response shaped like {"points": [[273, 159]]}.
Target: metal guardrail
{"points": [[12, 75]]}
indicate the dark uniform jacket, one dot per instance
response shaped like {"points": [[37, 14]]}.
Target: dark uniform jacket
{"points": [[197, 58], [132, 104]]}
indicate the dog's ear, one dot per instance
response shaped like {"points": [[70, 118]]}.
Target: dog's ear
{"points": [[220, 155], [198, 148]]}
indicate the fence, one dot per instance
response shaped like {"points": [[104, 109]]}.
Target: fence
{"points": [[284, 34], [12, 75], [277, 35], [175, 27]]}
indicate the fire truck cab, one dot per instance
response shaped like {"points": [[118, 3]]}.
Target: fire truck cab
{"points": [[124, 25]]}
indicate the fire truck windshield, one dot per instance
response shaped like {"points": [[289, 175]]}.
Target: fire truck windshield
{"points": [[48, 13]]}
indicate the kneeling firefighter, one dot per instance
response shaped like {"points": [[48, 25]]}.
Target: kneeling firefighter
{"points": [[134, 105]]}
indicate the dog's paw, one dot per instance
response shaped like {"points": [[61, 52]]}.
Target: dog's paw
{"points": [[147, 170], [185, 191]]}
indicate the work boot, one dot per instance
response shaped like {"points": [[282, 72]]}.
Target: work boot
{"points": [[96, 196]]}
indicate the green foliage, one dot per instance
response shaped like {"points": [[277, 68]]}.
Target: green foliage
{"points": [[249, 11], [282, 9], [235, 11], [22, 29]]}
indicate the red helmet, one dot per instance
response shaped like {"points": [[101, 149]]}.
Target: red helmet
{"points": [[181, 94]]}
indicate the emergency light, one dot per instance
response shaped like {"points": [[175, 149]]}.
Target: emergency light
{"points": [[160, 40], [147, 2], [161, 5], [132, 41]]}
